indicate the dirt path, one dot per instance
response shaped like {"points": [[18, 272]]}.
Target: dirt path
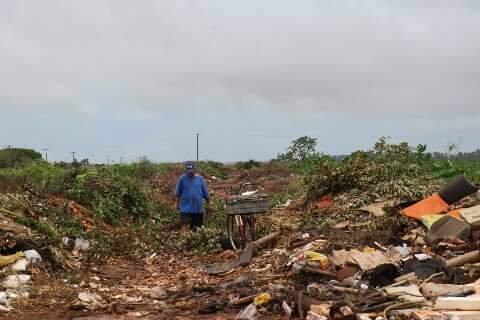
{"points": [[125, 289]]}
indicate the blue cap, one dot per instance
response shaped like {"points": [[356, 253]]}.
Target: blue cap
{"points": [[190, 165]]}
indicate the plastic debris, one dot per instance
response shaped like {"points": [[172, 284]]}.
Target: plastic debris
{"points": [[262, 299], [317, 257], [287, 308], [249, 313], [3, 298], [81, 244], [384, 275], [33, 256], [15, 281], [7, 260], [20, 265]]}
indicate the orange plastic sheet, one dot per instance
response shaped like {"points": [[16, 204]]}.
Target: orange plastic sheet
{"points": [[428, 206]]}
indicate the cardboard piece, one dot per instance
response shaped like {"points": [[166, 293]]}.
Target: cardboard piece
{"points": [[377, 208], [369, 260], [409, 293], [341, 257], [447, 227], [471, 215]]}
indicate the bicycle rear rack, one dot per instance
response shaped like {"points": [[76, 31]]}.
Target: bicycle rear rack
{"points": [[245, 205]]}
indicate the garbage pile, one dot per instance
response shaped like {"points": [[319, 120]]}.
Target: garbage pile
{"points": [[16, 271], [22, 247], [430, 272]]}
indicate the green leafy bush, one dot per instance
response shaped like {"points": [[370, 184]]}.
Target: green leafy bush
{"points": [[246, 165], [445, 169], [387, 171], [213, 168], [111, 195], [142, 169], [17, 157]]}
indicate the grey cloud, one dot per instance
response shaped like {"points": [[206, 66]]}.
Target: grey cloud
{"points": [[157, 60]]}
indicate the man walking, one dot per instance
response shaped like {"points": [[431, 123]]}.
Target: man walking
{"points": [[190, 193]]}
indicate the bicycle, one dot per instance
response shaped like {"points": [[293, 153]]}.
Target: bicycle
{"points": [[241, 211]]}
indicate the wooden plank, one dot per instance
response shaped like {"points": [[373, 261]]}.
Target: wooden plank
{"points": [[464, 315], [470, 303]]}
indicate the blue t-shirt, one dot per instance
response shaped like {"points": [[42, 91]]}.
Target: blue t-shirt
{"points": [[191, 191]]}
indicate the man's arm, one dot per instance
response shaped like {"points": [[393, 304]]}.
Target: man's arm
{"points": [[178, 193], [206, 196]]}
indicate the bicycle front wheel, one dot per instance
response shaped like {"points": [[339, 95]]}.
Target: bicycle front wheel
{"points": [[240, 231]]}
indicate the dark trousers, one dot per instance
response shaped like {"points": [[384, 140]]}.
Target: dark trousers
{"points": [[194, 220]]}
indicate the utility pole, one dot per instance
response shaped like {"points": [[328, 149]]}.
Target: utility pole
{"points": [[73, 156], [197, 145], [108, 160], [46, 154]]}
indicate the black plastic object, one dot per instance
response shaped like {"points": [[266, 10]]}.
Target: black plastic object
{"points": [[457, 189], [424, 268], [384, 275]]}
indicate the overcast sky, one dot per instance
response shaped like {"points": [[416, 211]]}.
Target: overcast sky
{"points": [[132, 78]]}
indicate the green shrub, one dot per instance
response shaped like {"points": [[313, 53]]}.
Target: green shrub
{"points": [[213, 168], [142, 169], [388, 171], [111, 195], [17, 157], [447, 170], [246, 165], [42, 176]]}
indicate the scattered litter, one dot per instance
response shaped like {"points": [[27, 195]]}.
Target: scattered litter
{"points": [[315, 316], [262, 299], [435, 290], [322, 309], [398, 253], [369, 260], [81, 244], [249, 313], [384, 275], [424, 268], [287, 203], [20, 265], [448, 227], [422, 256], [429, 206], [158, 293], [410, 293], [89, 301], [457, 189], [16, 281], [377, 208], [34, 256], [6, 260], [287, 308], [471, 215]]}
